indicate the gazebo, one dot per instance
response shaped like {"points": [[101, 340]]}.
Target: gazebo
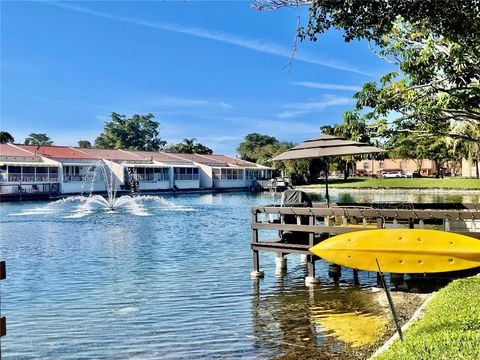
{"points": [[325, 146]]}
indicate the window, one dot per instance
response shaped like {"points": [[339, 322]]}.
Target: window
{"points": [[186, 174], [3, 173], [382, 164], [71, 173], [216, 174], [28, 173], [149, 174], [228, 174], [41, 174], [14, 169], [365, 165], [162, 174]]}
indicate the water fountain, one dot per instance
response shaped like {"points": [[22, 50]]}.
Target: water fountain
{"points": [[107, 177], [112, 175]]}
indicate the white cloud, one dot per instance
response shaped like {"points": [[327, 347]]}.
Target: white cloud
{"points": [[252, 44], [279, 128], [300, 108], [172, 101], [316, 85]]}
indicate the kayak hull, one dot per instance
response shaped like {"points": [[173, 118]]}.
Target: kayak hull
{"points": [[401, 250]]}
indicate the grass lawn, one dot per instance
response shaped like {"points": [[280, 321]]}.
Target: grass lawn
{"points": [[424, 183], [449, 329]]}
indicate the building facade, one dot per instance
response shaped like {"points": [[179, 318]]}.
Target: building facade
{"points": [[69, 170]]}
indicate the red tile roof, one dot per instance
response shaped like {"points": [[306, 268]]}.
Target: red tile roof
{"points": [[160, 157], [57, 152], [231, 160], [9, 150], [111, 154], [201, 159]]}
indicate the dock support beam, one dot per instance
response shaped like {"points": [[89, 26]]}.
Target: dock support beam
{"points": [[397, 280], [311, 279], [280, 264], [256, 273], [303, 259], [335, 272], [355, 277]]}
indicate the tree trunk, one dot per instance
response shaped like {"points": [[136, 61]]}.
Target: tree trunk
{"points": [[437, 169], [419, 166], [346, 170], [476, 166]]}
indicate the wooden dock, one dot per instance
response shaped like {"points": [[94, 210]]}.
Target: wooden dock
{"points": [[300, 228]]}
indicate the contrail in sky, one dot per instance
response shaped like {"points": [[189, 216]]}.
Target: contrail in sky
{"points": [[252, 44]]}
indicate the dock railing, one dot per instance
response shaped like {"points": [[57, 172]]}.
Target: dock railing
{"points": [[325, 222]]}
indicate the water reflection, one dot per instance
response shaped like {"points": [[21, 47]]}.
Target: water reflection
{"points": [[352, 327], [409, 196], [334, 318]]}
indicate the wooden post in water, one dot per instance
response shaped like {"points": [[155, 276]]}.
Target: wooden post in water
{"points": [[311, 279], [280, 263], [256, 273], [335, 272], [355, 277], [3, 320]]}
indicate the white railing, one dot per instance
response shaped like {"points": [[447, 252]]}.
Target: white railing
{"points": [[25, 189], [28, 177], [82, 178]]}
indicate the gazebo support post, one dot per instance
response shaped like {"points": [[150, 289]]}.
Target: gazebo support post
{"points": [[327, 197]]}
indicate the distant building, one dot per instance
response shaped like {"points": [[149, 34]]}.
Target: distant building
{"points": [[26, 169], [376, 167], [423, 167], [76, 170], [26, 172], [220, 171]]}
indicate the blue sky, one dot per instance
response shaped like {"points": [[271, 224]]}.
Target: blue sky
{"points": [[215, 70]]}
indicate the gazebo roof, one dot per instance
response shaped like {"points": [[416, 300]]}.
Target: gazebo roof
{"points": [[326, 146]]}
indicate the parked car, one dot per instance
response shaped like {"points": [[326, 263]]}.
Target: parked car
{"points": [[393, 174]]}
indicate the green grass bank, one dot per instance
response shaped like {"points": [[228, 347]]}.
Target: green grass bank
{"points": [[401, 183], [449, 329]]}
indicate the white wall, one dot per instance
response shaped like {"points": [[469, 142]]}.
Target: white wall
{"points": [[187, 184], [206, 180], [81, 187], [154, 185], [238, 183]]}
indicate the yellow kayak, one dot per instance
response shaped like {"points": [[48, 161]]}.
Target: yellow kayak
{"points": [[401, 250]]}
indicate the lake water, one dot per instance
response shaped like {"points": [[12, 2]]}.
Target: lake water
{"points": [[162, 278]]}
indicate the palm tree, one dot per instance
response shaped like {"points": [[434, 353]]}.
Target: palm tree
{"points": [[189, 145]]}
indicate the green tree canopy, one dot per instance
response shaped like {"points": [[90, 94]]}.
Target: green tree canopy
{"points": [[373, 19], [84, 144], [38, 139], [189, 146], [257, 146], [432, 100], [6, 137], [140, 132], [261, 149]]}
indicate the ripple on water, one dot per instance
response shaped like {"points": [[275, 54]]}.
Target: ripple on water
{"points": [[171, 285]]}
